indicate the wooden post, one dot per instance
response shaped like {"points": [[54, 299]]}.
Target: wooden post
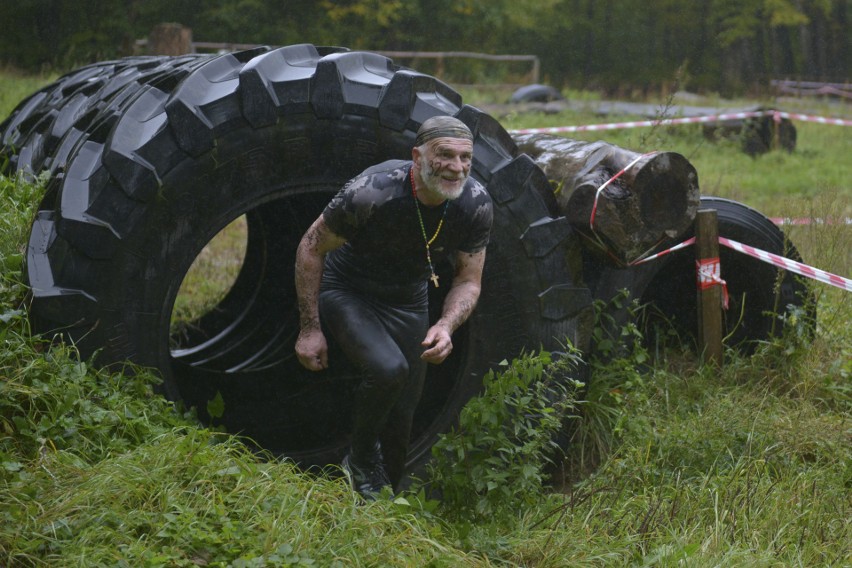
{"points": [[776, 131], [170, 39], [709, 288]]}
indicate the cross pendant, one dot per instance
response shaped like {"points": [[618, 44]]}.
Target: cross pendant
{"points": [[434, 279]]}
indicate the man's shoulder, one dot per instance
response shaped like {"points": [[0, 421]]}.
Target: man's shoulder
{"points": [[372, 188], [389, 172], [477, 193]]}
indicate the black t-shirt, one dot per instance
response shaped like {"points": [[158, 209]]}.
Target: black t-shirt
{"points": [[376, 213]]}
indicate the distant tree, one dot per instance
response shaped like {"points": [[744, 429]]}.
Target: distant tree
{"points": [[62, 33], [615, 45]]}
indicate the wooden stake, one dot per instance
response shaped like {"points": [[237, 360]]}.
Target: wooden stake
{"points": [[709, 295], [170, 39]]}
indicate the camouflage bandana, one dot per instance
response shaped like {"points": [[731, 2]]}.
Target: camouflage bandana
{"points": [[442, 127]]}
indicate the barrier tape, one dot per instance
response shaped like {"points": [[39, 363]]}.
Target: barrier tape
{"points": [[791, 265], [810, 221], [708, 272], [777, 115], [768, 257], [780, 261], [679, 246], [811, 118]]}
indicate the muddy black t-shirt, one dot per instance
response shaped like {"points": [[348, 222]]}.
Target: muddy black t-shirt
{"points": [[377, 215]]}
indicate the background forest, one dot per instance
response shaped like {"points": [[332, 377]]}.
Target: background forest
{"points": [[730, 47]]}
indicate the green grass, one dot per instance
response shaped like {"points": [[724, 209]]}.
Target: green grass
{"points": [[750, 465], [15, 87]]}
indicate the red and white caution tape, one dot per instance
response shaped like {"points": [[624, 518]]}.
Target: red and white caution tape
{"points": [[638, 123], [679, 246], [811, 118], [686, 120], [791, 265], [810, 221], [768, 257], [708, 272]]}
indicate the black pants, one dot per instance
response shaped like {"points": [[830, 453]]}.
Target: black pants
{"points": [[381, 336]]}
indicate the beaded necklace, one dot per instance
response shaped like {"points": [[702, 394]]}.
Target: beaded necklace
{"points": [[427, 240]]}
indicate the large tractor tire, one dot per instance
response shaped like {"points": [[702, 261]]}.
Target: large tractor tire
{"points": [[269, 135], [759, 293], [43, 130]]}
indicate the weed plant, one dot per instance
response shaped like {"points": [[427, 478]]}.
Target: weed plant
{"points": [[495, 459]]}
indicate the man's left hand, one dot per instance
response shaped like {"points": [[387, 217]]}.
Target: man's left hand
{"points": [[438, 344]]}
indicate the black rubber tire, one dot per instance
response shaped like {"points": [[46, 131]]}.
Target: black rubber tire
{"points": [[43, 130], [536, 94], [758, 291], [32, 130], [272, 135]]}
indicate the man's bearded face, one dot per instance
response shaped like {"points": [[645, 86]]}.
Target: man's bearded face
{"points": [[445, 166]]}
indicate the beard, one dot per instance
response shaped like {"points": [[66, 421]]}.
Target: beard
{"points": [[434, 180]]}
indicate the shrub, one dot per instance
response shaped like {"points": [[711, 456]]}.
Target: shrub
{"points": [[495, 460]]}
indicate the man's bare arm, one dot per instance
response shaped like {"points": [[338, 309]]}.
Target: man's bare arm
{"points": [[458, 305], [318, 241], [462, 297]]}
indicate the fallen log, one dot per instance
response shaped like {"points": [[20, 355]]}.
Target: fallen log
{"points": [[757, 135], [624, 203]]}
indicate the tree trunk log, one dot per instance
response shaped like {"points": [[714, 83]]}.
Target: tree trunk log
{"points": [[654, 199], [757, 135], [170, 39]]}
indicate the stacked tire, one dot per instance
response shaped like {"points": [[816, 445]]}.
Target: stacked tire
{"points": [[149, 158], [760, 294]]}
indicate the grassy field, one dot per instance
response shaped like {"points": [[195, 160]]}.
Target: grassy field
{"points": [[671, 464], [14, 87]]}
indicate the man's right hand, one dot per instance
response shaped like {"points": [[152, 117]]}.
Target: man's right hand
{"points": [[318, 240], [312, 350]]}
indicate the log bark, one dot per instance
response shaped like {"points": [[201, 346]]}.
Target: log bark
{"points": [[653, 200]]}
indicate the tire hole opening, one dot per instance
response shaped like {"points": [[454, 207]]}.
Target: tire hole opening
{"points": [[207, 282]]}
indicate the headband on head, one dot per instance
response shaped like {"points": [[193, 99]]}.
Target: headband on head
{"points": [[442, 127]]}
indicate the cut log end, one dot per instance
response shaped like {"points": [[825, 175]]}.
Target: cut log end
{"points": [[651, 199]]}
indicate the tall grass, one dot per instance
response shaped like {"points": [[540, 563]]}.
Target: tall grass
{"points": [[16, 86], [750, 465]]}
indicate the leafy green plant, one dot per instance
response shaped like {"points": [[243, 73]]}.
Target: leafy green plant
{"points": [[618, 368], [494, 461], [19, 197], [50, 400]]}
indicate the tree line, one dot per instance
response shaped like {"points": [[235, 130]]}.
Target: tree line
{"points": [[725, 46]]}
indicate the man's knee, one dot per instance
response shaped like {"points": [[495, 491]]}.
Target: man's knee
{"points": [[388, 373]]}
